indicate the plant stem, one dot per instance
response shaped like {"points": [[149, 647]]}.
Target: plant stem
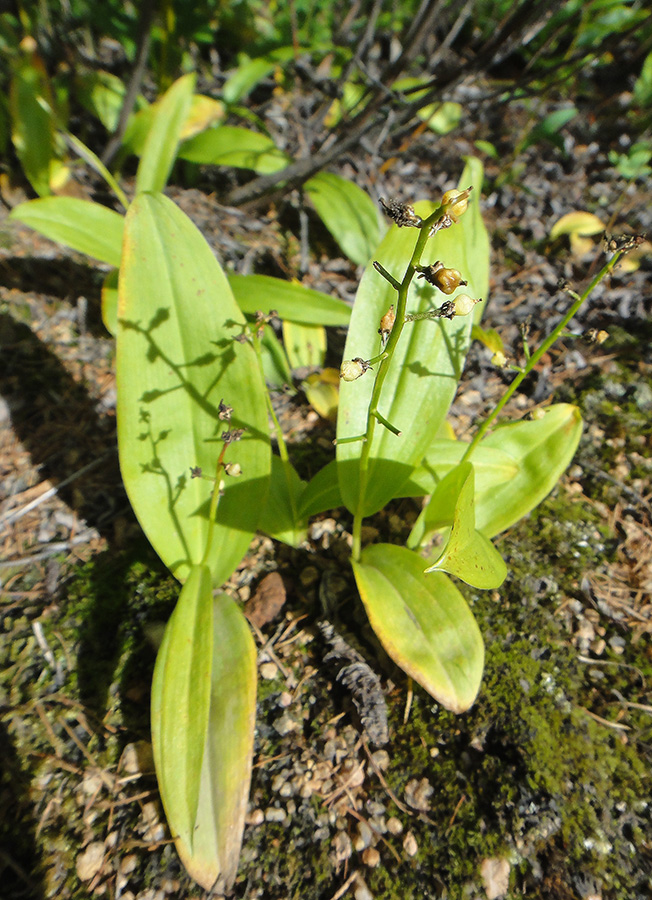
{"points": [[373, 415], [215, 499], [536, 356]]}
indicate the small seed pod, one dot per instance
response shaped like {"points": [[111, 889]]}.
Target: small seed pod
{"points": [[456, 201], [464, 304], [593, 336], [352, 369], [386, 324], [233, 469], [401, 213], [447, 280]]}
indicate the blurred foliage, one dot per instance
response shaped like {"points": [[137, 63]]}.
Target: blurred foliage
{"points": [[80, 57]]}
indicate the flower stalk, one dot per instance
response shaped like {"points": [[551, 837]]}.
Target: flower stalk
{"points": [[533, 358]]}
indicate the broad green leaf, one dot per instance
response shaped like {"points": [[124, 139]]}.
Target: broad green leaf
{"points": [[281, 519], [353, 95], [422, 378], [322, 391], [80, 224], [138, 127], [634, 163], [489, 337], [468, 554], [441, 476], [96, 163], [228, 755], [276, 367], [488, 148], [492, 467], [305, 345], [292, 301], [102, 94], [322, 492], [230, 145], [548, 129], [181, 696], [32, 122], [203, 714], [160, 151], [423, 622], [250, 72], [491, 464], [177, 358], [110, 302], [204, 113], [442, 118], [643, 84], [348, 212], [542, 450], [579, 226]]}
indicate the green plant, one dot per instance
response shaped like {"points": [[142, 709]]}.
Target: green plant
{"points": [[195, 455]]}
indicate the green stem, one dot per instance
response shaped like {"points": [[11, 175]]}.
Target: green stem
{"points": [[215, 499], [536, 356], [373, 414]]}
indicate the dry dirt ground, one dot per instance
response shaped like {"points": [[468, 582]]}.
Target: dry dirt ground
{"points": [[471, 807]]}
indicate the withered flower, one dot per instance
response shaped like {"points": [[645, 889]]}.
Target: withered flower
{"points": [[229, 437], [401, 213], [224, 411], [593, 336], [352, 369]]}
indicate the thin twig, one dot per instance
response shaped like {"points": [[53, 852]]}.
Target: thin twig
{"points": [[15, 514]]}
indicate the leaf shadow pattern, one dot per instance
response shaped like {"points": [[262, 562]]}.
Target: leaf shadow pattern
{"points": [[203, 419], [20, 872], [57, 422], [60, 277]]}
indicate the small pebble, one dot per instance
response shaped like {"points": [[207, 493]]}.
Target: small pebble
{"points": [[341, 846], [111, 840], [268, 671], [362, 892], [364, 837], [89, 862], [92, 782], [394, 825], [410, 844], [285, 724], [381, 758], [371, 857], [255, 817], [274, 814], [128, 863], [418, 793], [375, 808], [285, 700]]}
